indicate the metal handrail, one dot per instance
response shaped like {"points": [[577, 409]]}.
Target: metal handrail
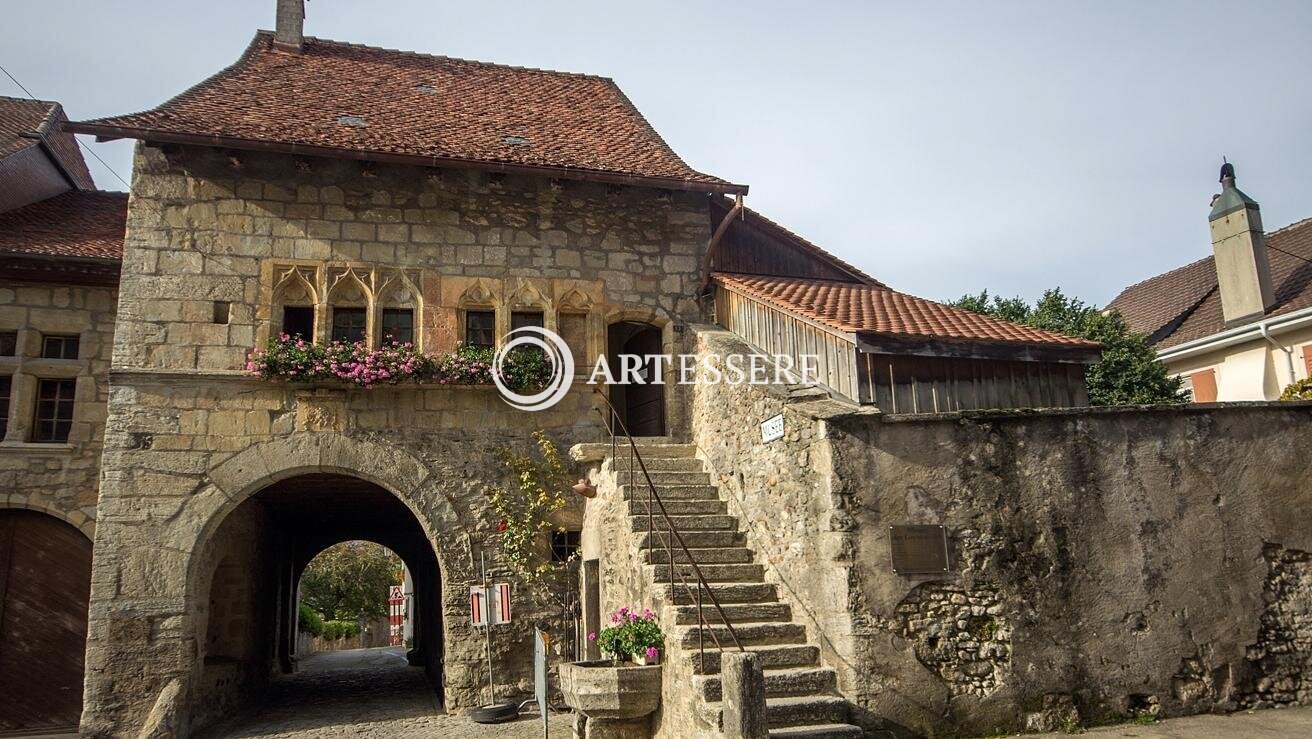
{"points": [[674, 534]]}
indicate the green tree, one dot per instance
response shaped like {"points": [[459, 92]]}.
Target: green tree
{"points": [[350, 581], [1129, 372]]}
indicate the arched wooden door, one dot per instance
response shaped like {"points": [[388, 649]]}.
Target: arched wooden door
{"points": [[45, 581]]}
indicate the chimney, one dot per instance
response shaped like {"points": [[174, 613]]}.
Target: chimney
{"points": [[1242, 271], [289, 33]]}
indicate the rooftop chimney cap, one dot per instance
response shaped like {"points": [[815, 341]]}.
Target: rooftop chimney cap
{"points": [[289, 28], [1231, 198]]}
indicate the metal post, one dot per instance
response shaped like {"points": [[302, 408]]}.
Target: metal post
{"points": [[701, 632], [487, 606]]}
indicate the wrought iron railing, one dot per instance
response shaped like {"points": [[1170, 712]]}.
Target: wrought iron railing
{"points": [[655, 504]]}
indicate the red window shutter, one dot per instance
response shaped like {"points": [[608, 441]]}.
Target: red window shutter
{"points": [[1307, 358], [1204, 384]]}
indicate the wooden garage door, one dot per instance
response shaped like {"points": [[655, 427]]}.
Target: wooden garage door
{"points": [[45, 580]]}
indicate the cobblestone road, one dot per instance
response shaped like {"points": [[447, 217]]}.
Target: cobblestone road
{"points": [[366, 693]]}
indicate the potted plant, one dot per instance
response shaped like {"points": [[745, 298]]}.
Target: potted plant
{"points": [[613, 697], [631, 636]]}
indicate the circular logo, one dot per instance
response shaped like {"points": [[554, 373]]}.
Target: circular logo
{"points": [[557, 353]]}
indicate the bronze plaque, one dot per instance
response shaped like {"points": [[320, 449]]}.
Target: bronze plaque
{"points": [[919, 549]]}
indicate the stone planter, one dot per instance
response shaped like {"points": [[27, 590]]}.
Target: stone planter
{"points": [[612, 701]]}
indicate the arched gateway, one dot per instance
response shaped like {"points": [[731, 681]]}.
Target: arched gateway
{"points": [[249, 572], [248, 532]]}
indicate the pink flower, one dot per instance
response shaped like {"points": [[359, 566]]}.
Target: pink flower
{"points": [[646, 613], [651, 652], [592, 636]]}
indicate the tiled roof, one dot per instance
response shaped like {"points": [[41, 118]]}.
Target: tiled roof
{"points": [[1185, 304], [24, 123], [876, 309], [335, 97], [78, 223]]}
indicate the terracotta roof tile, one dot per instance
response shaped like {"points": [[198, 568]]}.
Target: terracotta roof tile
{"points": [[1185, 304], [385, 102], [24, 123], [876, 309], [78, 223]]}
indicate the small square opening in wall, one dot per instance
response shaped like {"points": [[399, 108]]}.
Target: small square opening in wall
{"points": [[222, 311], [564, 545], [8, 343]]}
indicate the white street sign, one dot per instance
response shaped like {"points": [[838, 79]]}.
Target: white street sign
{"points": [[489, 606]]}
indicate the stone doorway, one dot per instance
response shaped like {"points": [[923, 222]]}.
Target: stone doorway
{"points": [[641, 407], [254, 563]]}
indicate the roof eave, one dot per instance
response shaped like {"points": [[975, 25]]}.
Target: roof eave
{"points": [[965, 348], [104, 132], [1238, 335]]}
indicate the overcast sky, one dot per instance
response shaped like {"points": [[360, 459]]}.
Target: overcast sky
{"points": [[943, 147]]}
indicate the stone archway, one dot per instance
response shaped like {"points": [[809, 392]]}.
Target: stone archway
{"points": [[277, 464], [247, 580]]}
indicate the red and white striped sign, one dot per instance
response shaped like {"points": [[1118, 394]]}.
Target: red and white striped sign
{"points": [[396, 614], [490, 605]]}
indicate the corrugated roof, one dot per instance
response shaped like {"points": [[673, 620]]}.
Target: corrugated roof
{"points": [[334, 96]]}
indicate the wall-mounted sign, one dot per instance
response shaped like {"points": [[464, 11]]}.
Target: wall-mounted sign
{"points": [[919, 549], [489, 605], [772, 428]]}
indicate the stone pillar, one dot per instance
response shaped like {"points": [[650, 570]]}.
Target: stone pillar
{"points": [[743, 686]]}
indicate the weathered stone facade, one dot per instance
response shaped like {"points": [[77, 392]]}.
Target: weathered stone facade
{"points": [[192, 436], [1122, 561], [62, 478]]}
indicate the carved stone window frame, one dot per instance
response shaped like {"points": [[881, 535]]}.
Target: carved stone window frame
{"points": [[326, 286]]}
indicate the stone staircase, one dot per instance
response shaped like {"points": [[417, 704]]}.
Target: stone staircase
{"points": [[801, 694]]}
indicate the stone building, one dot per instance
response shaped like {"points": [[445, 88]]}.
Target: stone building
{"points": [[437, 200], [1236, 325], [446, 202], [60, 244]]}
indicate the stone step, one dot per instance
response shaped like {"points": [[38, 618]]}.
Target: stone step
{"points": [[650, 449], [718, 555], [660, 478], [638, 507], [818, 731], [737, 612], [693, 539], [687, 523], [653, 464], [745, 572], [672, 492], [771, 657], [789, 681], [725, 592], [757, 634], [792, 711]]}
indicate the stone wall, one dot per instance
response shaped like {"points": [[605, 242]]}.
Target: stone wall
{"points": [[60, 479], [191, 436], [789, 502], [1105, 562]]}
